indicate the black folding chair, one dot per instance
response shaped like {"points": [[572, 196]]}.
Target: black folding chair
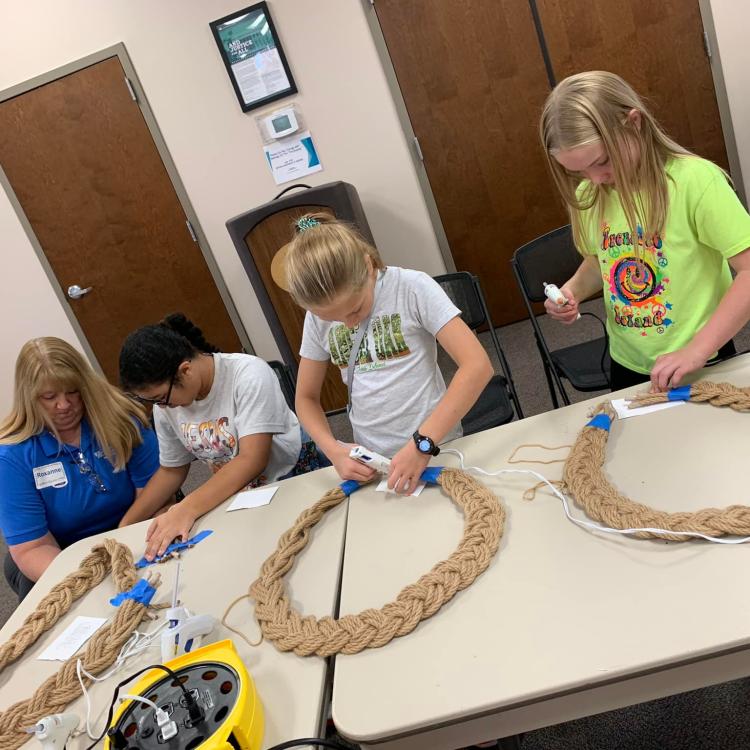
{"points": [[286, 380], [495, 404], [552, 258]]}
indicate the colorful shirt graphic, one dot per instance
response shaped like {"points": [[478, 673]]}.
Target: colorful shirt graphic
{"points": [[387, 337], [396, 381], [657, 302]]}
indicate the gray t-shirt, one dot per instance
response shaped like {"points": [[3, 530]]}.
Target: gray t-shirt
{"points": [[396, 382], [245, 399]]}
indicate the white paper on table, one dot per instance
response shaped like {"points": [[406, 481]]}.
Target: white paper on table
{"points": [[252, 498], [383, 487], [621, 407], [72, 638]]}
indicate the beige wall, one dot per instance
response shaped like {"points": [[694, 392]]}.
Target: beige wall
{"points": [[216, 148], [726, 22]]}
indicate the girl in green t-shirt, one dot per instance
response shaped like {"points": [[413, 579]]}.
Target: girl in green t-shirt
{"points": [[658, 228]]}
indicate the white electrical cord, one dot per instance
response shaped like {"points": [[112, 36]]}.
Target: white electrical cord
{"points": [[136, 644], [591, 525], [141, 699]]}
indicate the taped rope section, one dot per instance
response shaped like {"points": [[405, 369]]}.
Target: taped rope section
{"points": [[586, 480], [290, 631], [57, 691]]}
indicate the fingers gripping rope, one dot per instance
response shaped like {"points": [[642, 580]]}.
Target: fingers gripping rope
{"points": [[306, 636]]}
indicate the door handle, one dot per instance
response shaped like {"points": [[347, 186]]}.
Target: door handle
{"points": [[75, 291]]}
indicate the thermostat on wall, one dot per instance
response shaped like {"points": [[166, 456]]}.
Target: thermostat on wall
{"points": [[281, 123]]}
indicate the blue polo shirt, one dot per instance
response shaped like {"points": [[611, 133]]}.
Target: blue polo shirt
{"points": [[42, 488]]}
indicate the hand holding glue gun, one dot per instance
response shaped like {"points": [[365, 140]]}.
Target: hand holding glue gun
{"points": [[560, 304]]}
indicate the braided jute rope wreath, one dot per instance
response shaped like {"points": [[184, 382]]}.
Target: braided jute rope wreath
{"points": [[290, 631], [584, 476], [58, 690]]}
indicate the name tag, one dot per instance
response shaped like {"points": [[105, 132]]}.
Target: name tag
{"points": [[51, 475]]}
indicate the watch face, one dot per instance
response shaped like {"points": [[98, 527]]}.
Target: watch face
{"points": [[424, 446]]}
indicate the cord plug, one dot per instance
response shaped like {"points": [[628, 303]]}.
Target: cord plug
{"points": [[117, 739], [167, 726], [194, 710]]}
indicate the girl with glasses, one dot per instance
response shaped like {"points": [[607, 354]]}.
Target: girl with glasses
{"points": [[74, 455], [224, 409]]}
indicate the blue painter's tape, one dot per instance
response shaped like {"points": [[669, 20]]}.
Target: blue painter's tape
{"points": [[175, 547], [142, 593], [350, 486], [431, 474], [679, 394], [601, 421]]}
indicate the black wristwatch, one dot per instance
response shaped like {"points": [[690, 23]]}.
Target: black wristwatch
{"points": [[425, 445]]}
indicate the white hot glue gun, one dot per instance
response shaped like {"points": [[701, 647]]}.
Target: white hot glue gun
{"points": [[553, 293], [54, 731], [184, 633], [371, 459]]}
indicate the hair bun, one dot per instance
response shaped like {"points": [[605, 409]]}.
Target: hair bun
{"points": [[180, 323]]}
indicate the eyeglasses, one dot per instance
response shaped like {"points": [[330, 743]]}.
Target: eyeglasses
{"points": [[159, 401], [87, 470]]}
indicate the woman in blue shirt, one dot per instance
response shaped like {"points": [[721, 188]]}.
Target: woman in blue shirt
{"points": [[74, 454]]}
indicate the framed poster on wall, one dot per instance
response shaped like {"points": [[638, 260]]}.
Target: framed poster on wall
{"points": [[253, 56]]}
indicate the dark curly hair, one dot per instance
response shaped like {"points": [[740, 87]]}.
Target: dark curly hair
{"points": [[152, 354]]}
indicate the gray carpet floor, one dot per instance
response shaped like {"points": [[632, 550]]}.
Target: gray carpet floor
{"points": [[708, 719]]}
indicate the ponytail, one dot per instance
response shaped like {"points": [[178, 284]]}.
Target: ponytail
{"points": [[152, 354]]}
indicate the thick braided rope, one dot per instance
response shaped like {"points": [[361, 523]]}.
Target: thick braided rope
{"points": [[584, 477], [372, 628], [60, 689], [716, 394]]}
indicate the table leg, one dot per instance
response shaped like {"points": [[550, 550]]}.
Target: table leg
{"points": [[509, 743]]}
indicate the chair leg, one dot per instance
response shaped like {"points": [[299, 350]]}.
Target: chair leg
{"points": [[551, 386]]}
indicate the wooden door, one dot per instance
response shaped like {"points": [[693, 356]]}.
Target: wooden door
{"points": [[263, 242], [473, 78], [82, 163], [657, 47]]}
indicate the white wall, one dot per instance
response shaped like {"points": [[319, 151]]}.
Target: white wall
{"points": [[732, 56], [216, 148]]}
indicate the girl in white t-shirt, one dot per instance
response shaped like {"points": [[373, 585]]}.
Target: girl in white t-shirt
{"points": [[399, 403], [225, 409]]}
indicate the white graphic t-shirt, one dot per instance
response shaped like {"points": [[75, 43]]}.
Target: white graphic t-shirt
{"points": [[396, 382], [245, 399]]}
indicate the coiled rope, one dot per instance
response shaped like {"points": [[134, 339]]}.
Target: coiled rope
{"points": [[290, 631], [586, 481], [57, 691]]}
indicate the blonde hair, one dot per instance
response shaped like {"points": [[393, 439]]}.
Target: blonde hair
{"points": [[325, 258], [51, 362], [596, 106]]}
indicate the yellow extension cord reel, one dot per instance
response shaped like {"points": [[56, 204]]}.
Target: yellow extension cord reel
{"points": [[216, 677]]}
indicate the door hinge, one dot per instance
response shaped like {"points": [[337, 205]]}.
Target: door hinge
{"points": [[707, 45], [131, 89], [191, 230], [418, 149]]}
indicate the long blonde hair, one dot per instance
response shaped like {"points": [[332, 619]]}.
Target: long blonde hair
{"points": [[595, 106], [326, 258], [51, 362]]}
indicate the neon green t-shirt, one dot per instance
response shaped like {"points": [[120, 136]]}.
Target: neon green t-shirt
{"points": [[686, 272]]}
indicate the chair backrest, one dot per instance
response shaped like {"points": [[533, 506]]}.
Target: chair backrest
{"points": [[286, 381], [463, 290], [551, 258]]}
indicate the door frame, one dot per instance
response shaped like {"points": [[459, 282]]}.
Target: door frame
{"points": [[411, 139], [714, 60], [118, 50], [717, 73]]}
